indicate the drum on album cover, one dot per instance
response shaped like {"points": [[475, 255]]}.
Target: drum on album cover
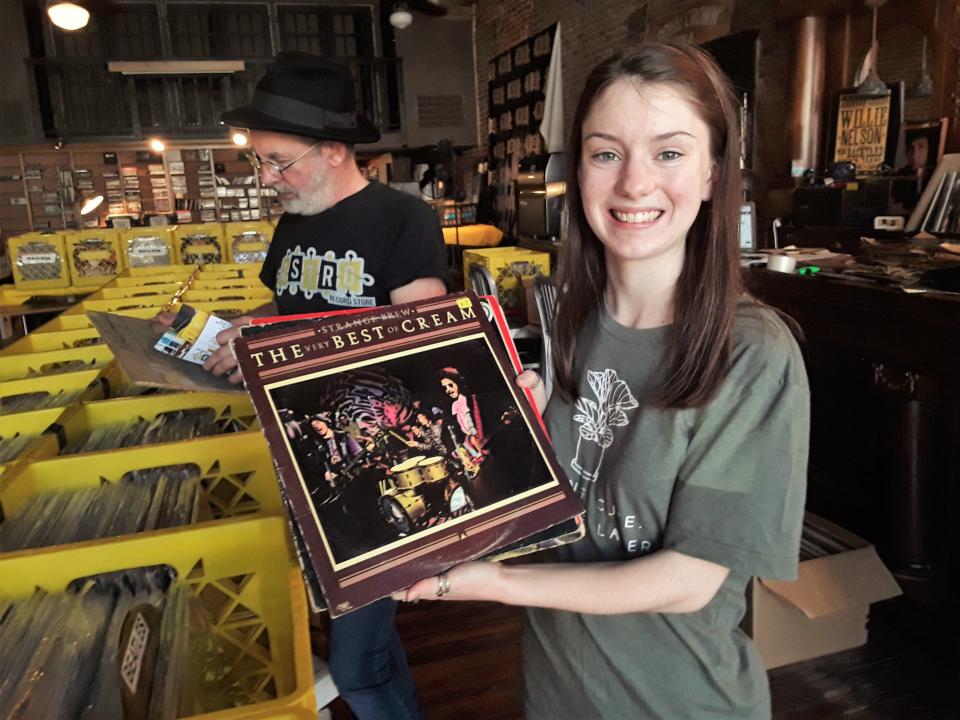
{"points": [[433, 469]]}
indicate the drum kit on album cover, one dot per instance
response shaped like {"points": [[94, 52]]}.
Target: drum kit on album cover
{"points": [[419, 492]]}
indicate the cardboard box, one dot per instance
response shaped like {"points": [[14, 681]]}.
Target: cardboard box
{"points": [[825, 610]]}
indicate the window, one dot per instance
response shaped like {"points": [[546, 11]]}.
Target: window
{"points": [[117, 32], [331, 31], [219, 30]]}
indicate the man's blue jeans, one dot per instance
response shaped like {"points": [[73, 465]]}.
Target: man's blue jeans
{"points": [[369, 666]]}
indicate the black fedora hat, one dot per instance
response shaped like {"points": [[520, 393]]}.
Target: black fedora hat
{"points": [[304, 94]]}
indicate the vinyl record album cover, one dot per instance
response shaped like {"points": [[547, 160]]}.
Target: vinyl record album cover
{"points": [[402, 443]]}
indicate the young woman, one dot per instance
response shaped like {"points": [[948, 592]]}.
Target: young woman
{"points": [[681, 417]]}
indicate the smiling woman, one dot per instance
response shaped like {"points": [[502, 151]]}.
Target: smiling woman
{"points": [[681, 417], [645, 169]]}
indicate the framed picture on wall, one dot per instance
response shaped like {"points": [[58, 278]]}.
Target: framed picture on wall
{"points": [[865, 129], [921, 146]]}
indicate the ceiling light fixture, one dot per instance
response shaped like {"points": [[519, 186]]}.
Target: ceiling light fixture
{"points": [[68, 15], [240, 139], [90, 204], [400, 18], [156, 144], [872, 84]]}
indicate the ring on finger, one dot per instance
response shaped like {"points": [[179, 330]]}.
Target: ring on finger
{"points": [[443, 585]]}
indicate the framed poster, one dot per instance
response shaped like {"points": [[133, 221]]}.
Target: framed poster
{"points": [[865, 129]]}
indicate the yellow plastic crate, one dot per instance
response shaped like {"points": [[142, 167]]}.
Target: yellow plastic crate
{"points": [[119, 305], [129, 291], [42, 364], [237, 476], [81, 419], [242, 574], [200, 244], [94, 256], [230, 308], [507, 265], [72, 387], [225, 283], [148, 247], [39, 261], [248, 292], [48, 341], [147, 273], [247, 242], [233, 270], [79, 321], [33, 425]]}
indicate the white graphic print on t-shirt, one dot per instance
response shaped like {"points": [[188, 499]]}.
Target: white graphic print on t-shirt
{"points": [[597, 420], [340, 281]]}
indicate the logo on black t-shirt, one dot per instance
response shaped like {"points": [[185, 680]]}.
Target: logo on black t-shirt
{"points": [[340, 281]]}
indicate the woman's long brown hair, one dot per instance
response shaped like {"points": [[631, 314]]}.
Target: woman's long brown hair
{"points": [[709, 283]]}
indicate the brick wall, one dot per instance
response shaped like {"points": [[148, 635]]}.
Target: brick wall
{"points": [[591, 31]]}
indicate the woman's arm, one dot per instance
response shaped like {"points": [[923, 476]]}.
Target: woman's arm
{"points": [[665, 581]]}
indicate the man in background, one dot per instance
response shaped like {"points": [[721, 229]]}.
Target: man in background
{"points": [[343, 242]]}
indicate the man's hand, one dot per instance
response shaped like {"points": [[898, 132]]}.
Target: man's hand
{"points": [[162, 321], [223, 361]]}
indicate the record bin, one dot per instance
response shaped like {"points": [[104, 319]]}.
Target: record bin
{"points": [[247, 242], [94, 256], [79, 321], [200, 244], [46, 342], [52, 364], [230, 410], [32, 425], [61, 390], [147, 247], [111, 292], [39, 261], [236, 471], [242, 573]]}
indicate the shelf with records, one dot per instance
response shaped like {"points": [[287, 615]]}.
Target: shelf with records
{"points": [[239, 196], [42, 189]]}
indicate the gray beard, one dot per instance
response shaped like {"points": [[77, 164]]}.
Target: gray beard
{"points": [[314, 199], [312, 204]]}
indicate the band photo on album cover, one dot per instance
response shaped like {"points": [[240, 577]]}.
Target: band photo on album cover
{"points": [[402, 445]]}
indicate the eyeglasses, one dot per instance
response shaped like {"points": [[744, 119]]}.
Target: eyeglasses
{"points": [[273, 167]]}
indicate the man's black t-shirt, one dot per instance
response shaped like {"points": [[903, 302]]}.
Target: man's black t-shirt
{"points": [[353, 254]]}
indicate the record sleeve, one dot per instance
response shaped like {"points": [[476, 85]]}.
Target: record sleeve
{"points": [[402, 443]]}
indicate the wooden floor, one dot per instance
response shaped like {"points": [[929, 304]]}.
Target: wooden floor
{"points": [[465, 658]]}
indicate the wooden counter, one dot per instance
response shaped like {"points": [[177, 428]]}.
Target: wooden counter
{"points": [[884, 371]]}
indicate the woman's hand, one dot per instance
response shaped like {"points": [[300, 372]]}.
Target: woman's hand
{"points": [[529, 380], [470, 581]]}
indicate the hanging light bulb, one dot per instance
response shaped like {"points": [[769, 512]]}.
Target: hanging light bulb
{"points": [[240, 139], [400, 18], [157, 145], [872, 84], [924, 85], [68, 15]]}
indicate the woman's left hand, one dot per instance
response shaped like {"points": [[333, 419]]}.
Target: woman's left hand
{"points": [[469, 581]]}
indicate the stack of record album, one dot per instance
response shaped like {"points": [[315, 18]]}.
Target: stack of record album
{"points": [[166, 427], [111, 646], [147, 500]]}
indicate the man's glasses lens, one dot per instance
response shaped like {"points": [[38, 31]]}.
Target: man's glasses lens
{"points": [[272, 166]]}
